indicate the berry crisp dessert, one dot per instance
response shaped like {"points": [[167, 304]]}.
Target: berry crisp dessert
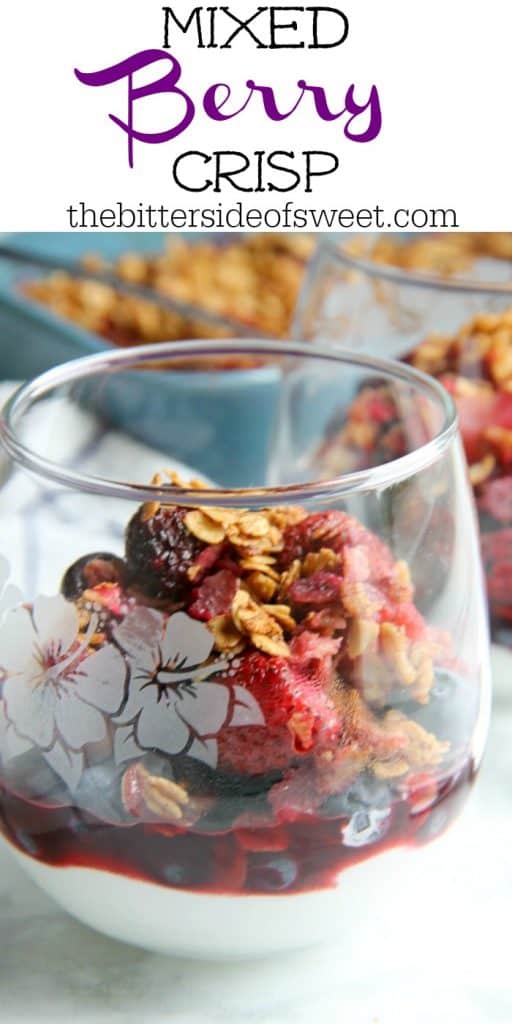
{"points": [[247, 702], [475, 366]]}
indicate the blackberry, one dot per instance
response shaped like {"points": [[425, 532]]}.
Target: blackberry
{"points": [[159, 551], [91, 570]]}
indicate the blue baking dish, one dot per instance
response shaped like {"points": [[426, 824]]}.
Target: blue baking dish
{"points": [[32, 339]]}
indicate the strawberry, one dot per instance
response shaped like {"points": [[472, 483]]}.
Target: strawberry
{"points": [[478, 410], [317, 590], [299, 715], [495, 499], [214, 596], [333, 529]]}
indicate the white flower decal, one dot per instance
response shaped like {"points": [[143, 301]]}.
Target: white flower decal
{"points": [[10, 743], [10, 595], [56, 694], [58, 697], [173, 705]]}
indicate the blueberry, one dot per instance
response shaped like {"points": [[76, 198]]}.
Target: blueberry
{"points": [[371, 792], [361, 821], [452, 708], [182, 862], [272, 872], [27, 842], [366, 827], [366, 793], [88, 571], [99, 793], [175, 874]]}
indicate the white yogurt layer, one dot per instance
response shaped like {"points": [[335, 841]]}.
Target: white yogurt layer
{"points": [[209, 926]]}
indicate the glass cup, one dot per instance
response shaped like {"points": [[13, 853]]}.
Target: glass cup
{"points": [[460, 331], [385, 310], [230, 719]]}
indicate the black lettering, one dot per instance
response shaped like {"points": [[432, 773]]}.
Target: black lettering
{"points": [[300, 218], [208, 218], [194, 15], [320, 217], [178, 219], [275, 166], [253, 218], [212, 45], [346, 219], [229, 175], [310, 173], [379, 217], [275, 26], [243, 26], [316, 44], [364, 219], [189, 188]]}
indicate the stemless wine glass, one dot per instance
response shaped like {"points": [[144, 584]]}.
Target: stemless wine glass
{"points": [[231, 719], [459, 330], [382, 309]]}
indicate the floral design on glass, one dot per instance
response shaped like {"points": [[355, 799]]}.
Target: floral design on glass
{"points": [[10, 596], [153, 686], [175, 703], [57, 695]]}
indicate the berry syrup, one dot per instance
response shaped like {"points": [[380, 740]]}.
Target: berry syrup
{"points": [[300, 855]]}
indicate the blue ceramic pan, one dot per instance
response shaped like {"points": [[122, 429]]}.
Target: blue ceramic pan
{"points": [[203, 434]]}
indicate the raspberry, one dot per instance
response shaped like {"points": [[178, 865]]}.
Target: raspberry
{"points": [[206, 559], [299, 715], [497, 557], [108, 602], [477, 412], [90, 570], [374, 405], [407, 615], [331, 529], [214, 596], [159, 551], [495, 500], [317, 590]]}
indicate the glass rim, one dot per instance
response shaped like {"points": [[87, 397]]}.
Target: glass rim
{"points": [[376, 477], [414, 278]]}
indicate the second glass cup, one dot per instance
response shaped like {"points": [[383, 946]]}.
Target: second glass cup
{"points": [[229, 716], [458, 330]]}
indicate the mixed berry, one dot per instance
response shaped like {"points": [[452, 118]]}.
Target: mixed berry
{"points": [[284, 709], [475, 366]]}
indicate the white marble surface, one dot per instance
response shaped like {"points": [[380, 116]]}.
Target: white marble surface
{"points": [[446, 957]]}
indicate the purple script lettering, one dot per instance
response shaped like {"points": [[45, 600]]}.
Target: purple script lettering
{"points": [[166, 84]]}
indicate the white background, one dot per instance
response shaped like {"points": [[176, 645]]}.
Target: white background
{"points": [[442, 70]]}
